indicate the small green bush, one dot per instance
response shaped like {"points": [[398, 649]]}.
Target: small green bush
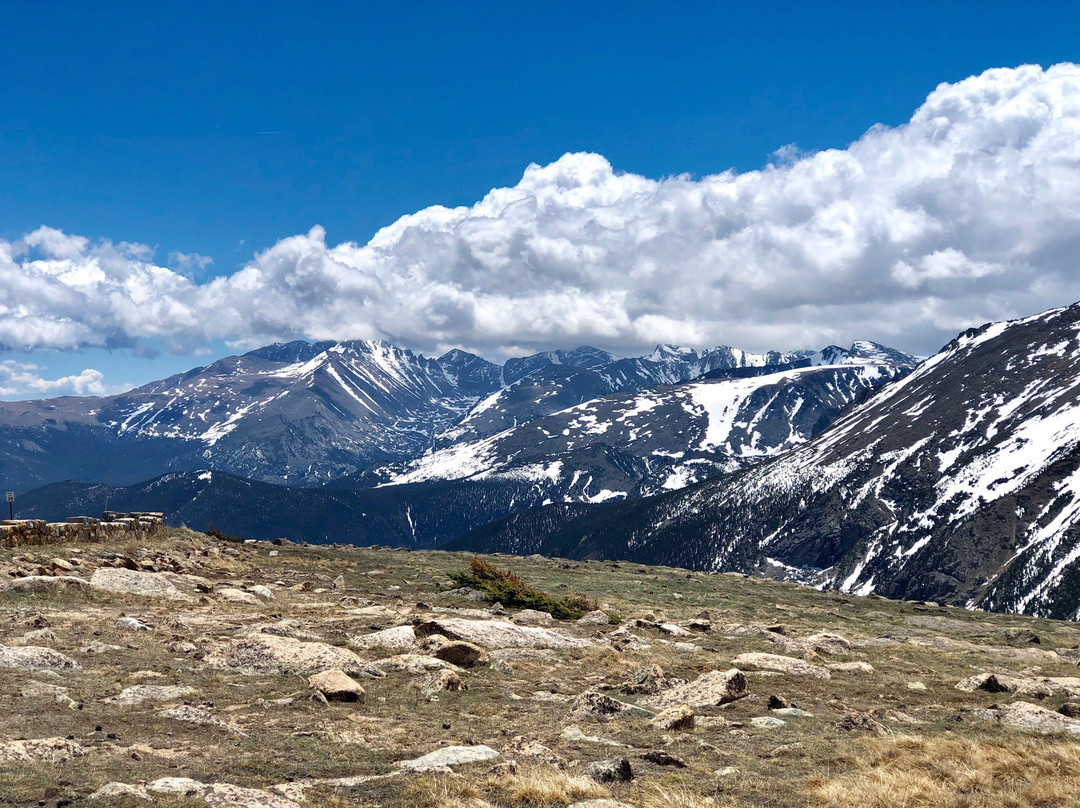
{"points": [[503, 586]]}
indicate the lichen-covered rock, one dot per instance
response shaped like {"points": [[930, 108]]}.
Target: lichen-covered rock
{"points": [[449, 756], [201, 716], [231, 594], [269, 654], [851, 667], [781, 664], [42, 750], [1021, 715], [603, 707], [499, 634], [398, 638], [708, 690], [35, 658], [119, 580], [441, 681], [114, 791], [220, 795], [677, 718], [137, 694], [44, 583]]}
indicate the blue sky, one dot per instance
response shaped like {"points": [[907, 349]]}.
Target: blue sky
{"points": [[217, 129]]}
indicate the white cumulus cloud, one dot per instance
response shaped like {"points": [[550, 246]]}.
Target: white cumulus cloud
{"points": [[24, 379], [968, 212]]}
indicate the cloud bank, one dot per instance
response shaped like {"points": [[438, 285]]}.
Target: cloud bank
{"points": [[21, 378], [967, 213]]}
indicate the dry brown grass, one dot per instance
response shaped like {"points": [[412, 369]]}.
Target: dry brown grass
{"points": [[528, 787], [655, 795], [956, 773]]}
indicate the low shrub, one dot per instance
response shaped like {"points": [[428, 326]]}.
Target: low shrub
{"points": [[507, 588]]}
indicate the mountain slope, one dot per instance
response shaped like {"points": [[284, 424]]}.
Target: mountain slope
{"points": [[660, 439], [960, 482], [415, 516]]}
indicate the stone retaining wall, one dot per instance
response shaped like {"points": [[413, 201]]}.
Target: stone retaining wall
{"points": [[29, 532]]}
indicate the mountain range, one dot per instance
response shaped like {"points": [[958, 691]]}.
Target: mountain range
{"points": [[959, 482], [418, 451]]}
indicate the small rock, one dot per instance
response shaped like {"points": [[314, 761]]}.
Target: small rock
{"points": [[131, 624], [440, 681], [261, 591], [1070, 709], [232, 595], [727, 771], [112, 791], [35, 658], [917, 687], [768, 722], [137, 694], [679, 717], [495, 634], [851, 667], [793, 712], [594, 618], [201, 716], [661, 758], [339, 582], [268, 654], [336, 685], [603, 708], [781, 664], [456, 652], [399, 638], [45, 583], [532, 617], [616, 770], [44, 750]]}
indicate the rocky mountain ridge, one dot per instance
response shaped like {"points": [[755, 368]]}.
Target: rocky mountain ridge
{"points": [[302, 414]]}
